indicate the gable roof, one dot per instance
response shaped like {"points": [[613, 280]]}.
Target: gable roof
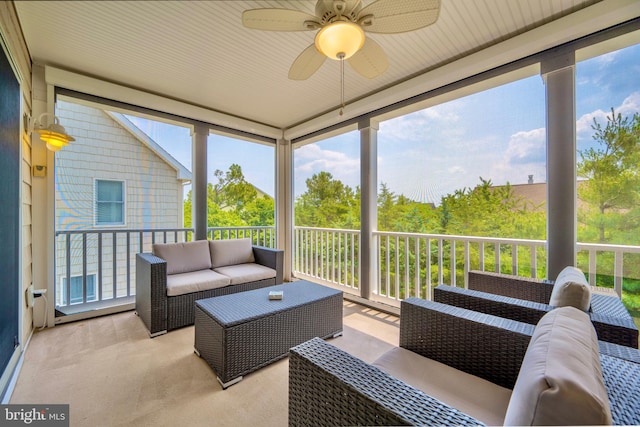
{"points": [[183, 173]]}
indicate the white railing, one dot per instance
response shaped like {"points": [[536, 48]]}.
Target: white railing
{"points": [[94, 266], [444, 259], [408, 264], [613, 258], [98, 265], [327, 255], [411, 264], [260, 236]]}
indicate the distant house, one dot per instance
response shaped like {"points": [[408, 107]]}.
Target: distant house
{"points": [[535, 194], [113, 177]]}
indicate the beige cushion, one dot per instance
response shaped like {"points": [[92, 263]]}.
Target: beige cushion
{"points": [[186, 283], [571, 289], [244, 273], [231, 252], [560, 380], [481, 399], [184, 257]]}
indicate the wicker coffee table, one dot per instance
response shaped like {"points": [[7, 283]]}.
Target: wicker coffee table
{"points": [[239, 333]]}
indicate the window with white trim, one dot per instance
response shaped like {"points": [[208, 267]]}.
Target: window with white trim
{"points": [[109, 202], [77, 292]]}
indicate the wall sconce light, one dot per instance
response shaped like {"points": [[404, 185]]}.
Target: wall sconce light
{"points": [[53, 135]]}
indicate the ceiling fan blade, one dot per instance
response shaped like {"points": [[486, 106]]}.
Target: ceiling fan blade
{"points": [[370, 61], [279, 20], [398, 16], [306, 63]]}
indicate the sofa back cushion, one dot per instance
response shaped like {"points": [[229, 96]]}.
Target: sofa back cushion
{"points": [[571, 289], [231, 252], [184, 257], [560, 380]]}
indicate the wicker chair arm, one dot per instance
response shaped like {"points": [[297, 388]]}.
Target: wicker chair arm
{"points": [[498, 305], [151, 292], [272, 258], [526, 288], [329, 387], [486, 346]]}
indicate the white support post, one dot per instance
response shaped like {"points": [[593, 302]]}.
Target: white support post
{"points": [[284, 204], [368, 206], [199, 183], [558, 73]]}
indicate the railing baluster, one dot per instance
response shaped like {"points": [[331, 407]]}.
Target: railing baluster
{"points": [[129, 263], [353, 261], [340, 259], [397, 268], [100, 266], [618, 267], [592, 267], [428, 268], [407, 283], [466, 264], [84, 268], [534, 261], [452, 248], [440, 272], [68, 284], [514, 259], [417, 285]]}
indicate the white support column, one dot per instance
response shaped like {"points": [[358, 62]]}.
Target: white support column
{"points": [[368, 206], [558, 73], [284, 204], [199, 181]]}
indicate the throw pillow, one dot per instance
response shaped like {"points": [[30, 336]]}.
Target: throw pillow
{"points": [[231, 252], [184, 257], [560, 380], [571, 289]]}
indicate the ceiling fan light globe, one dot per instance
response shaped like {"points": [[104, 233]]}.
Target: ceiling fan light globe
{"points": [[340, 40]]}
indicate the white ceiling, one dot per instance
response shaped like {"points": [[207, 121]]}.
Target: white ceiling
{"points": [[199, 52]]}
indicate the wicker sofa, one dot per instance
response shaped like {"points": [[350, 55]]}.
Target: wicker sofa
{"points": [[327, 386], [171, 278], [527, 300]]}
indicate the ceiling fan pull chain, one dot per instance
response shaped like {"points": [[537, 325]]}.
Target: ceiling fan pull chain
{"points": [[342, 85]]}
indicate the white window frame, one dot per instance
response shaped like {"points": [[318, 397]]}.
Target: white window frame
{"points": [[63, 288], [95, 204]]}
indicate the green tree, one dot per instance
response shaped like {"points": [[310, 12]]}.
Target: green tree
{"points": [[231, 190], [611, 192], [326, 203], [232, 202], [386, 204], [484, 211]]}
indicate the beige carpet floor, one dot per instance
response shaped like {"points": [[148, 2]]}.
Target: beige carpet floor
{"points": [[112, 374]]}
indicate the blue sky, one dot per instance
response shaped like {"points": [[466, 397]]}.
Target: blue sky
{"points": [[497, 134]]}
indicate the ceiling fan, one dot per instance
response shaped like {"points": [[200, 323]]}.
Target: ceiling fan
{"points": [[342, 25]]}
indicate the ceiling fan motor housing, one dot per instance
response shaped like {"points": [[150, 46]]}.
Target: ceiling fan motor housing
{"points": [[329, 10]]}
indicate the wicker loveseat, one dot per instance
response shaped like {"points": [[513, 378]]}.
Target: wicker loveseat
{"points": [[327, 386], [527, 300], [171, 278]]}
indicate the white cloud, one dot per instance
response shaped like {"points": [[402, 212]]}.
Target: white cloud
{"points": [[421, 124], [629, 106], [456, 169], [526, 147], [311, 159], [583, 124]]}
